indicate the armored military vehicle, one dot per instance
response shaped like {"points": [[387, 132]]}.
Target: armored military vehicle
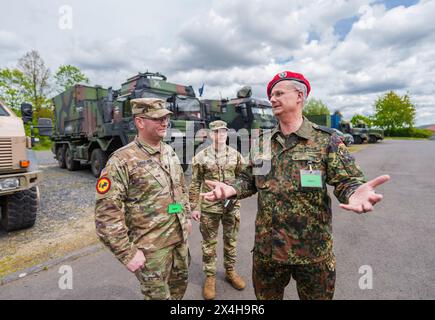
{"points": [[243, 112], [92, 122], [375, 134], [19, 174]]}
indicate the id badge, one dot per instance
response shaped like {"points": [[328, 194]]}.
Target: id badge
{"points": [[175, 208], [311, 179]]}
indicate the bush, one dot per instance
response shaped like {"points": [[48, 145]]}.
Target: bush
{"points": [[43, 144], [409, 132]]}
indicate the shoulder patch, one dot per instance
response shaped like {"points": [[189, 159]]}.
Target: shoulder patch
{"points": [[103, 185]]}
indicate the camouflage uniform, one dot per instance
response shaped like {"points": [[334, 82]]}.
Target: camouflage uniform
{"points": [[132, 214], [293, 228], [219, 166]]}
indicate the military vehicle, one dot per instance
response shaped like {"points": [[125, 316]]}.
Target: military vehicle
{"points": [[19, 174], [335, 121], [243, 112], [375, 134], [92, 122]]}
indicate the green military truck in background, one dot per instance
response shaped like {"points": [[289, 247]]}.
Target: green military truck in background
{"points": [[19, 174], [242, 112], [92, 122], [375, 134]]}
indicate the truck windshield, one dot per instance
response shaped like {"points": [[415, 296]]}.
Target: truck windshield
{"points": [[188, 107], [263, 113], [3, 112]]}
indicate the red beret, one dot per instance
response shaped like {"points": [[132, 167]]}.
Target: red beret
{"points": [[288, 75]]}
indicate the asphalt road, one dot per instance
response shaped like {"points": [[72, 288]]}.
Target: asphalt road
{"points": [[396, 241]]}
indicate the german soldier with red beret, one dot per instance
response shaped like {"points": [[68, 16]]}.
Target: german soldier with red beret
{"points": [[289, 171]]}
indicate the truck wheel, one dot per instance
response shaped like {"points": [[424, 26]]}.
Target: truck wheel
{"points": [[60, 155], [98, 162], [19, 209], [357, 140], [71, 164], [372, 139]]}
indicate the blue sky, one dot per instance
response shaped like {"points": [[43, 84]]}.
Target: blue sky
{"points": [[351, 51]]}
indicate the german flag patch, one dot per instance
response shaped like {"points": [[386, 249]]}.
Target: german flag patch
{"points": [[103, 185]]}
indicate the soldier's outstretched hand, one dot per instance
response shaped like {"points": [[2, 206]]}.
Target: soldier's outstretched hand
{"points": [[219, 191], [365, 196]]}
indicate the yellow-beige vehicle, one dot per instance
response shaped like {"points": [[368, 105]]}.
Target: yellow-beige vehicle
{"points": [[19, 176]]}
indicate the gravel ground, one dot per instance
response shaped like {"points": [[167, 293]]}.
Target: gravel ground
{"points": [[64, 218]]}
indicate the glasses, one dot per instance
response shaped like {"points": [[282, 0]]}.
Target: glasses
{"points": [[160, 120], [279, 93]]}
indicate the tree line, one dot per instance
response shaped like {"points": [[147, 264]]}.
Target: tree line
{"points": [[31, 81]]}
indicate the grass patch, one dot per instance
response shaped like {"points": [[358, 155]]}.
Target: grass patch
{"points": [[44, 144], [66, 238], [357, 147], [404, 138], [41, 148]]}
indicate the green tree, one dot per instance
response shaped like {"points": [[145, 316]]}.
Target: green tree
{"points": [[38, 75], [315, 107], [67, 76], [359, 117], [14, 87], [393, 111]]}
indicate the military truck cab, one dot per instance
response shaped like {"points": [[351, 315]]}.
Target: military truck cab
{"points": [[187, 117], [374, 134], [243, 112], [19, 174]]}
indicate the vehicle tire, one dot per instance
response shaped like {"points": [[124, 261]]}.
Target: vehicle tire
{"points": [[60, 155], [71, 164], [372, 139], [98, 161], [357, 140], [19, 209]]}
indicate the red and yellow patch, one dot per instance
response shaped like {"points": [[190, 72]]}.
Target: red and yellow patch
{"points": [[103, 185]]}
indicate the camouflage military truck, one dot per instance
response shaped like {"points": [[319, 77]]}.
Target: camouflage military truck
{"points": [[375, 134], [243, 112], [92, 122], [19, 176]]}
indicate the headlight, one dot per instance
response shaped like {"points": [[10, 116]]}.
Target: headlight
{"points": [[9, 183]]}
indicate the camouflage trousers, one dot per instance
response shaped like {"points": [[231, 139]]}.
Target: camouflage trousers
{"points": [[313, 281], [209, 227], [164, 276]]}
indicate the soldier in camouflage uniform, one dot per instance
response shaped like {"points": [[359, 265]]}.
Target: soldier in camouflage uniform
{"points": [[142, 210], [221, 163], [289, 170]]}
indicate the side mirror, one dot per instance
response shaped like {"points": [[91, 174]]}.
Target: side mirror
{"points": [[244, 110], [45, 127], [27, 112]]}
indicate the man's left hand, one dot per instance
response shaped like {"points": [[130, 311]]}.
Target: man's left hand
{"points": [[365, 196]]}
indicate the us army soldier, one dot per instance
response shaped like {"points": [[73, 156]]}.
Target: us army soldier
{"points": [[293, 227], [221, 163], [142, 210]]}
